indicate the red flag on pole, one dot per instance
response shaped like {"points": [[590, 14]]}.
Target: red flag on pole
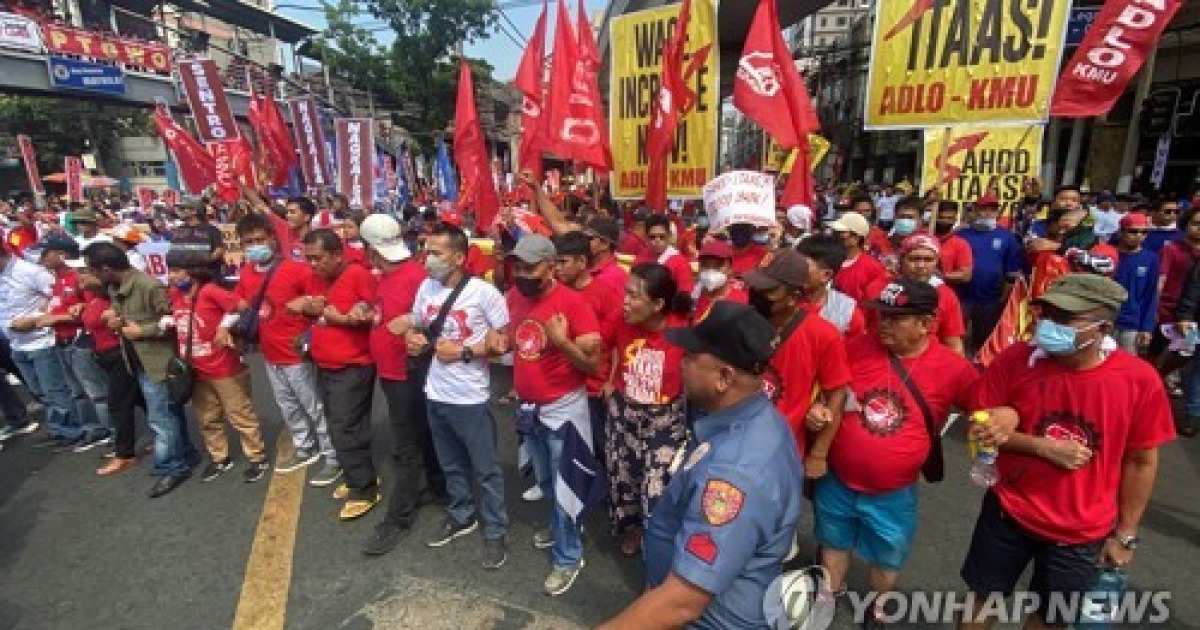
{"points": [[266, 120], [589, 129], [31, 167], [197, 169], [529, 83], [1012, 327], [558, 97], [470, 154], [1116, 45], [73, 168], [674, 98]]}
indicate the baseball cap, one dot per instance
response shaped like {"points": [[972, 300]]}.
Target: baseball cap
{"points": [[383, 234], [128, 233], [784, 267], [452, 217], [800, 216], [987, 201], [58, 242], [1135, 220], [533, 249], [84, 215], [734, 333], [604, 228], [1082, 292], [852, 222], [716, 248], [920, 241], [906, 297]]}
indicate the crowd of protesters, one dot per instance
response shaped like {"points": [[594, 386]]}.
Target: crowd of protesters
{"points": [[875, 304]]}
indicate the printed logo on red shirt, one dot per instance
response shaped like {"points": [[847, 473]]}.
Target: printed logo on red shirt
{"points": [[772, 384], [883, 412], [530, 339], [264, 311], [1063, 425]]}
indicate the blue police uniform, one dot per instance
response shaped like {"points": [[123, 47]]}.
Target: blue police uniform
{"points": [[728, 517]]}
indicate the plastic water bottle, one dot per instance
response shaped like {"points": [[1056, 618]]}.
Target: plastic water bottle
{"points": [[1102, 600], [983, 465]]}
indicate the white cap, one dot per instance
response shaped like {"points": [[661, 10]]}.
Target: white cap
{"points": [[800, 216], [382, 233], [852, 222]]}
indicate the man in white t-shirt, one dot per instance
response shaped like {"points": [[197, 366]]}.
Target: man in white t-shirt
{"points": [[458, 388]]}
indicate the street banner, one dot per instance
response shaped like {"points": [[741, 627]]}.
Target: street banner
{"points": [[981, 160], [444, 177], [170, 197], [944, 62], [29, 156], [145, 198], [85, 76], [197, 169], [310, 140], [777, 159], [1113, 50], [636, 67], [201, 83], [134, 54], [355, 139], [73, 168], [20, 32], [740, 197]]}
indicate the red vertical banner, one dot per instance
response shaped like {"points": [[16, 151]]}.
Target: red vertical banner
{"points": [[389, 166], [355, 141], [170, 197], [226, 154], [145, 197], [73, 167], [29, 156], [201, 83], [310, 141]]}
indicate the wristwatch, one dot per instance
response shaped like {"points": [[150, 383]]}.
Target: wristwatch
{"points": [[1128, 541], [467, 354]]}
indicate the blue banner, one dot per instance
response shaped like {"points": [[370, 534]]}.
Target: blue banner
{"points": [[1077, 25], [403, 189], [73, 74], [446, 180]]}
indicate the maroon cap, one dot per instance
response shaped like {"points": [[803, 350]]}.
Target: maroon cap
{"points": [[717, 248], [784, 267]]}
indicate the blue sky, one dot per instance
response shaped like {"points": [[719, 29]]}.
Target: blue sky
{"points": [[498, 49]]}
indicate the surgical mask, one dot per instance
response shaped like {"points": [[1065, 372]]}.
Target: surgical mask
{"points": [[761, 238], [985, 224], [184, 285], [711, 279], [904, 227], [529, 287], [438, 269], [1058, 339], [259, 254]]}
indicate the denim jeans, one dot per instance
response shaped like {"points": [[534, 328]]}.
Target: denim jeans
{"points": [[464, 437], [1191, 387], [546, 447], [174, 454], [47, 381], [89, 388]]}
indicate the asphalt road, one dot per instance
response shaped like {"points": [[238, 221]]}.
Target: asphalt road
{"points": [[81, 552]]}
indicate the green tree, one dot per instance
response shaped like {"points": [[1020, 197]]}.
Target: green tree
{"points": [[62, 127]]}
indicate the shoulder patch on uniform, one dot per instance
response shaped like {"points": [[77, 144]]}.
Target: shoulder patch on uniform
{"points": [[722, 502], [703, 547]]}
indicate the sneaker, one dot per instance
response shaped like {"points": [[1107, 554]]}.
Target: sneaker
{"points": [[543, 539], [12, 379], [5, 433], [296, 461], [1188, 426], [533, 494], [90, 442], [326, 476], [494, 553], [26, 429], [255, 471], [384, 539], [215, 468], [451, 530], [341, 492], [34, 406], [561, 578], [356, 508]]}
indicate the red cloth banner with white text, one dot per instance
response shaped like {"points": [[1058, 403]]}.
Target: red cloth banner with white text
{"points": [[73, 168], [197, 169], [355, 142], [145, 197], [1115, 47], [310, 139], [106, 47], [529, 83], [201, 83], [29, 156], [234, 161]]}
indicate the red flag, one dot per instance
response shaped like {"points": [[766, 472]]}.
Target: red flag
{"points": [[674, 98], [73, 168], [558, 106], [225, 157], [589, 129], [470, 155], [1116, 45], [1012, 327], [265, 119], [529, 83], [197, 169], [145, 198]]}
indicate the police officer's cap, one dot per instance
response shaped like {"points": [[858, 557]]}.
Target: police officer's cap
{"points": [[731, 332]]}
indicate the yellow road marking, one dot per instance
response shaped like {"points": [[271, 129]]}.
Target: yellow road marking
{"points": [[263, 602]]}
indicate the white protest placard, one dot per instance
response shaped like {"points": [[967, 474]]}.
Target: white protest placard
{"points": [[156, 259], [740, 197]]}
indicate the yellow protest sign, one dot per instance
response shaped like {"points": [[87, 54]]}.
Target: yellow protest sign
{"points": [[779, 160], [636, 72], [982, 160], [943, 62]]}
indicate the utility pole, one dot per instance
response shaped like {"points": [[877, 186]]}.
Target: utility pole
{"points": [[1134, 134]]}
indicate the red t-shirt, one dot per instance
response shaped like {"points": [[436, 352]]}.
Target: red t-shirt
{"points": [[290, 242], [612, 274], [337, 347], [355, 253], [541, 372], [749, 258], [648, 367], [65, 294], [882, 441], [947, 321], [879, 244], [856, 275], [955, 254], [606, 305], [813, 356], [93, 322], [21, 238], [1112, 409], [278, 329], [395, 296], [633, 245], [737, 292], [212, 304]]}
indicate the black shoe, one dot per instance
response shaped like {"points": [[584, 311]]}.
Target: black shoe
{"points": [[70, 444], [255, 471], [215, 468], [494, 553], [165, 485], [451, 530], [1188, 426], [384, 539]]}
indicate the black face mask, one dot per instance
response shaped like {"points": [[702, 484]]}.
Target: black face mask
{"points": [[528, 287], [761, 303], [942, 229], [740, 235]]}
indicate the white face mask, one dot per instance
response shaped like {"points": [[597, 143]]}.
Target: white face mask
{"points": [[711, 279]]}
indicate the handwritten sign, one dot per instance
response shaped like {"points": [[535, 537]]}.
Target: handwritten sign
{"points": [[741, 197]]}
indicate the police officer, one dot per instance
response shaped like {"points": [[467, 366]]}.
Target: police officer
{"points": [[721, 531]]}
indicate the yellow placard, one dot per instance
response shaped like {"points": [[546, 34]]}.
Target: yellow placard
{"points": [[636, 71], [779, 160], [982, 160], [944, 62]]}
